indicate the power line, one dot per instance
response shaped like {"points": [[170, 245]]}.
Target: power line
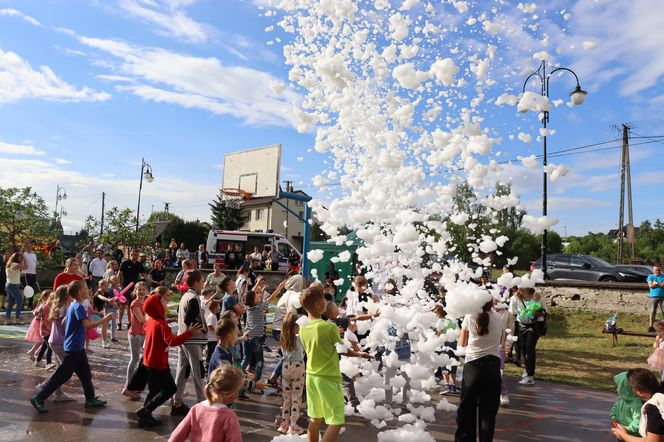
{"points": [[651, 137]]}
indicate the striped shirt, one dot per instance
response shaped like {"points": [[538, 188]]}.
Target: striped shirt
{"points": [[256, 320]]}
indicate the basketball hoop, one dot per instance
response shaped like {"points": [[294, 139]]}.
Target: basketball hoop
{"points": [[234, 197]]}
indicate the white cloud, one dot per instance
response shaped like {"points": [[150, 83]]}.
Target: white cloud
{"points": [[84, 190], [168, 18], [631, 45], [15, 13], [19, 149], [61, 161], [18, 81], [195, 82]]}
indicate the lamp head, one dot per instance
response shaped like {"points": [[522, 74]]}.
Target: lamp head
{"points": [[148, 176], [578, 95], [64, 196]]}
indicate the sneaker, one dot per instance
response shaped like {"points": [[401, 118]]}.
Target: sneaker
{"points": [[278, 420], [94, 403], [145, 418], [182, 410], [455, 389], [114, 340], [528, 380], [295, 430], [651, 329], [283, 428], [119, 326], [51, 366], [447, 389], [244, 395], [39, 364], [504, 400], [62, 397], [38, 404], [524, 374]]}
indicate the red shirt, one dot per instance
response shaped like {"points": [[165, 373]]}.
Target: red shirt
{"points": [[65, 278], [136, 327], [158, 335]]}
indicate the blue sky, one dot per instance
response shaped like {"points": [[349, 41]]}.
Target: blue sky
{"points": [[87, 88]]}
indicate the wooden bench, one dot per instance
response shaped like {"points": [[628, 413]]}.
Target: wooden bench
{"points": [[651, 335]]}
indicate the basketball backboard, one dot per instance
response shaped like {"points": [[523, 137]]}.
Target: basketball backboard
{"points": [[254, 170]]}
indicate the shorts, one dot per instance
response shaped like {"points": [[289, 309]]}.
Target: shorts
{"points": [[654, 303], [325, 399]]}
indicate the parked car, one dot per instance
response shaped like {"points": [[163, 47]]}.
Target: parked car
{"points": [[585, 268], [639, 269]]}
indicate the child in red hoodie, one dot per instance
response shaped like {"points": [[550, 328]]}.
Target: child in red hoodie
{"points": [[158, 337]]}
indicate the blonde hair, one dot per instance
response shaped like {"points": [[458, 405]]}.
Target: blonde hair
{"points": [[140, 284], [224, 381], [58, 300]]}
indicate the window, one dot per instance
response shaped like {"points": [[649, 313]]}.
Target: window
{"points": [[299, 203], [258, 214], [577, 262], [284, 249], [559, 260], [301, 214]]}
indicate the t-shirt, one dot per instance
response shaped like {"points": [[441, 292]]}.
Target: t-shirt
{"points": [[486, 345], [350, 336], [657, 292], [211, 321], [13, 274], [228, 302], [297, 355], [214, 281], [256, 320], [655, 422], [97, 302], [319, 338], [157, 275], [75, 332], [30, 261], [65, 278], [131, 271], [58, 330], [136, 326], [274, 256]]}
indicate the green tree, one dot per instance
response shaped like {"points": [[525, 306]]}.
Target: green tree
{"points": [[316, 233], [120, 229], [24, 218], [226, 217], [192, 233]]}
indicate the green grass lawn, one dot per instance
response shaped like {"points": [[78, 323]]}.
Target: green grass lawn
{"points": [[575, 351]]}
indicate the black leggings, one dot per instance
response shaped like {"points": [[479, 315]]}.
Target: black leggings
{"points": [[45, 348], [162, 388], [480, 391], [528, 336]]}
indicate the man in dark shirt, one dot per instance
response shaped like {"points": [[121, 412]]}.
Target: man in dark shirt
{"points": [[131, 270], [647, 387]]}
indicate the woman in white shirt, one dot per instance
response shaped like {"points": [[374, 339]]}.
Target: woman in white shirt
{"points": [[13, 287], [480, 389]]}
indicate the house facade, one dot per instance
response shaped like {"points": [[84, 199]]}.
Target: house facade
{"points": [[270, 214]]}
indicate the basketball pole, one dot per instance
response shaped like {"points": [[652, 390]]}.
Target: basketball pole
{"points": [[307, 216]]}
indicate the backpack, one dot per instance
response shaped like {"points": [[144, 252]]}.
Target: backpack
{"points": [[611, 325]]}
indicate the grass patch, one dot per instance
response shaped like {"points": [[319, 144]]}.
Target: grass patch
{"points": [[575, 351]]}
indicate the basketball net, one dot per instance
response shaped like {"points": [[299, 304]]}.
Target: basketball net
{"points": [[233, 197]]}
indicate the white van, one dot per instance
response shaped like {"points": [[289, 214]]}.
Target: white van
{"points": [[219, 240]]}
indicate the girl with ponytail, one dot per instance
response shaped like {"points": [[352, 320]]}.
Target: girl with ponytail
{"points": [[480, 388]]}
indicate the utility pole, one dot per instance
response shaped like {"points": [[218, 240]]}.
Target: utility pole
{"points": [[625, 232], [103, 209], [289, 189]]}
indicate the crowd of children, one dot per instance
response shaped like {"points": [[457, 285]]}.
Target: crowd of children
{"points": [[224, 355]]}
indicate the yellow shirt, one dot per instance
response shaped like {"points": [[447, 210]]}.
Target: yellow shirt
{"points": [[319, 338]]}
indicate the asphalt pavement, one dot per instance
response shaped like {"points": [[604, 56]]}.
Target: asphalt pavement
{"points": [[545, 411]]}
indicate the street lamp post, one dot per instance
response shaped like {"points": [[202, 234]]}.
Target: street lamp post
{"points": [[61, 194], [578, 96], [146, 171]]}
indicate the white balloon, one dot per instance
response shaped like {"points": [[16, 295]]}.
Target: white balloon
{"points": [[28, 292]]}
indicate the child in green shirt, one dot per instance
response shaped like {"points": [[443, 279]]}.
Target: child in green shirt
{"points": [[325, 393]]}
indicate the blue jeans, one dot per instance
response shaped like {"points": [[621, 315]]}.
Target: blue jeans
{"points": [[114, 322], [253, 356], [14, 296]]}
